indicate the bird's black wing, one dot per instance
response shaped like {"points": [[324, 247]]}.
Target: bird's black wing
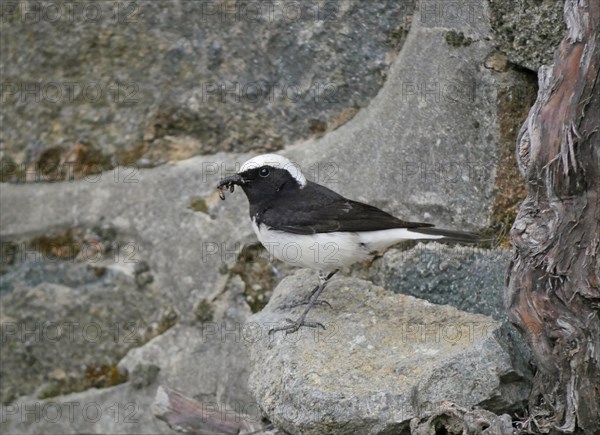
{"points": [[316, 209]]}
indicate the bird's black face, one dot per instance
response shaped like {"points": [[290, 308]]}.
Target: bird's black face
{"points": [[261, 184], [266, 183]]}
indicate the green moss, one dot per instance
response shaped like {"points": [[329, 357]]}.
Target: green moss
{"points": [[94, 376], [396, 37], [49, 162], [50, 389], [129, 157], [9, 170], [167, 320], [102, 376], [458, 39], [8, 395], [198, 204], [143, 375], [204, 311], [8, 254], [106, 232], [258, 275]]}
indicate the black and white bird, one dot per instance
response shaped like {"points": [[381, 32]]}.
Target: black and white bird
{"points": [[308, 225]]}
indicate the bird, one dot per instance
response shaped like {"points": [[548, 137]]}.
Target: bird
{"points": [[309, 225]]}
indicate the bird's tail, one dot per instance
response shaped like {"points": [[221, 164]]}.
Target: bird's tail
{"points": [[446, 235]]}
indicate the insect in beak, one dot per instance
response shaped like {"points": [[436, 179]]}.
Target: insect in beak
{"points": [[229, 183]]}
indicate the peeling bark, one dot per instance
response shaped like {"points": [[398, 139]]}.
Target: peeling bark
{"points": [[553, 292], [184, 414], [453, 419]]}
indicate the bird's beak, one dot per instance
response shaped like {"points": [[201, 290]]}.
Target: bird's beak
{"points": [[229, 183]]}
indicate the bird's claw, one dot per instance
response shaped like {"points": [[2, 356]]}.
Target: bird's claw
{"points": [[305, 302], [295, 325]]}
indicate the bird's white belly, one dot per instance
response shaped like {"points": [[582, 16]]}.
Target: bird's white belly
{"points": [[322, 251], [329, 251]]}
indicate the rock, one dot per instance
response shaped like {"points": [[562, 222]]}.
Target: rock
{"points": [[143, 375], [152, 205], [497, 61], [73, 318], [427, 147], [383, 360], [115, 410], [528, 31], [205, 360], [187, 254], [148, 211], [147, 83], [466, 277], [435, 154]]}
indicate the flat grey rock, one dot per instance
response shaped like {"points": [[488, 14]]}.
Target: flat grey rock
{"points": [[383, 360], [115, 410]]}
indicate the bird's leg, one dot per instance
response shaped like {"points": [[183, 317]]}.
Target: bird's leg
{"points": [[295, 325], [322, 279]]}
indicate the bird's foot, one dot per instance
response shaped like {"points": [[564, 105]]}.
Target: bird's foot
{"points": [[295, 325], [305, 302]]}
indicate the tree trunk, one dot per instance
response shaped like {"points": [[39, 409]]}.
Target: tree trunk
{"points": [[553, 292]]}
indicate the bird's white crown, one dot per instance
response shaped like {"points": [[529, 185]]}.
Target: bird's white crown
{"points": [[276, 161]]}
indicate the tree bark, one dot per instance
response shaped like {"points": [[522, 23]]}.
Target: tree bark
{"points": [[553, 288]]}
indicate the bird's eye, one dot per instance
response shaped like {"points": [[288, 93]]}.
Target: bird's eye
{"points": [[263, 172]]}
